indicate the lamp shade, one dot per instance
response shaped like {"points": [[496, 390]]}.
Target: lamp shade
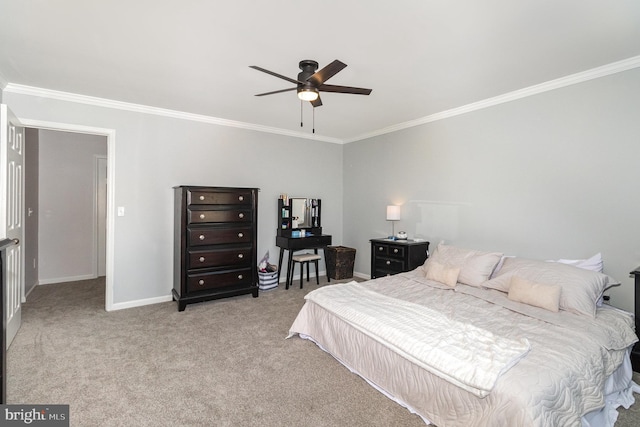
{"points": [[393, 213]]}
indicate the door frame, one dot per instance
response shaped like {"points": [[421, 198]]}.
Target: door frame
{"points": [[100, 209], [110, 134]]}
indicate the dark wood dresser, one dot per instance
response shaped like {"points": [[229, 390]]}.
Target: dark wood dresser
{"points": [[635, 352], [396, 256], [215, 243]]}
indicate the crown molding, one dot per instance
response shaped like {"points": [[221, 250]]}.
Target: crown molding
{"points": [[145, 109], [605, 70], [594, 73]]}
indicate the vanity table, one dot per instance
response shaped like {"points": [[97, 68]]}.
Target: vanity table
{"points": [[297, 215], [293, 244]]}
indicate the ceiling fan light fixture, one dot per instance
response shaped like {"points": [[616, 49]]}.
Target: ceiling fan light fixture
{"points": [[308, 94]]}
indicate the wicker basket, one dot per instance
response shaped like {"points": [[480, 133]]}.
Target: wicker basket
{"points": [[340, 260]]}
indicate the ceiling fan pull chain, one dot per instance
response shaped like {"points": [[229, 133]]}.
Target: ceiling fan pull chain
{"points": [[301, 114], [314, 120]]}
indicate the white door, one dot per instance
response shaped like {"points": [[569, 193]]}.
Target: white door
{"points": [[11, 214]]}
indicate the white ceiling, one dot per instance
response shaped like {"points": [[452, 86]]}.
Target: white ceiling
{"points": [[420, 57]]}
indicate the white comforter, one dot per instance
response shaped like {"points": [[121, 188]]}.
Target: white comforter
{"points": [[461, 353], [560, 379]]}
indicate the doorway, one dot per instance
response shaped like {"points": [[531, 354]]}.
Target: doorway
{"points": [[70, 183], [97, 195]]}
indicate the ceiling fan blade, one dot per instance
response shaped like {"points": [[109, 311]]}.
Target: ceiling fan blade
{"points": [[280, 76], [276, 91], [317, 102], [344, 89], [326, 73]]}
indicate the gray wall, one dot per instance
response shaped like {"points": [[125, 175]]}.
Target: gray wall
{"points": [[31, 191], [154, 153], [67, 243], [555, 175]]}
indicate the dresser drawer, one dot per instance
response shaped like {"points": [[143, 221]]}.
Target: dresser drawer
{"points": [[219, 258], [201, 282], [233, 215], [203, 197], [389, 250], [219, 236], [380, 250], [390, 265], [396, 251]]}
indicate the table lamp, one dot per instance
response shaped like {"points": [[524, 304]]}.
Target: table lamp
{"points": [[393, 214]]}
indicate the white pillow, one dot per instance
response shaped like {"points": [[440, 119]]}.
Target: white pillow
{"points": [[475, 266], [499, 265], [443, 274], [594, 263], [581, 288], [536, 294]]}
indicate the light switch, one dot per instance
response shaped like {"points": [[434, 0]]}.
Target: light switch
{"points": [[120, 210]]}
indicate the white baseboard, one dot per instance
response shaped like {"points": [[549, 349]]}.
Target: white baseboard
{"points": [[28, 292], [324, 273], [362, 275], [167, 298], [66, 279], [283, 275], [140, 303]]}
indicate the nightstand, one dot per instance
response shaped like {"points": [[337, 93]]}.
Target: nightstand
{"points": [[396, 256]]}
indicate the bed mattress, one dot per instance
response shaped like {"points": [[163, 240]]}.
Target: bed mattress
{"points": [[560, 379]]}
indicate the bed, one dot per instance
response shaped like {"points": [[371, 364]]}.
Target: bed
{"points": [[474, 338]]}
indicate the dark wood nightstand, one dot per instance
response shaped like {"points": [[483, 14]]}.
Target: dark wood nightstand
{"points": [[396, 256], [635, 352]]}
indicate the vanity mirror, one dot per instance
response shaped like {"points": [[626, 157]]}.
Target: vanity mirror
{"points": [[300, 210], [299, 213]]}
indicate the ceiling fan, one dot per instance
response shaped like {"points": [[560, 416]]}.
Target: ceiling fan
{"points": [[310, 81]]}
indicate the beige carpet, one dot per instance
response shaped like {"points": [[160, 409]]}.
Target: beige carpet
{"points": [[219, 363]]}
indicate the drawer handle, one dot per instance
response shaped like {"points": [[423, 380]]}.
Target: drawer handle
{"points": [[240, 256], [200, 282], [201, 197], [395, 251], [388, 262], [380, 249], [240, 215], [240, 276], [201, 216], [240, 235], [202, 237], [241, 198], [201, 259]]}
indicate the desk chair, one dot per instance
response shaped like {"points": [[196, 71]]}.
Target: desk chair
{"points": [[303, 259]]}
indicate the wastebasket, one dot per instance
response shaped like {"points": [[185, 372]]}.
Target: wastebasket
{"points": [[340, 260]]}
